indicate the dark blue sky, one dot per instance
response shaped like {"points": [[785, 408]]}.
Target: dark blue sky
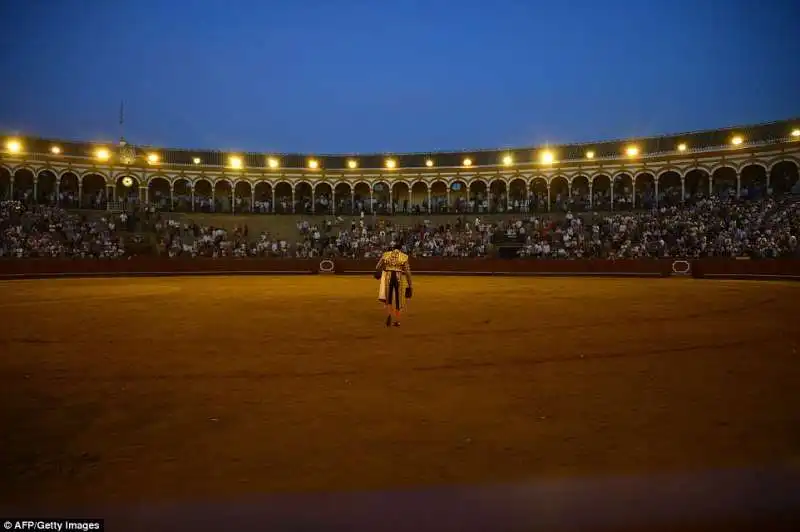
{"points": [[341, 76]]}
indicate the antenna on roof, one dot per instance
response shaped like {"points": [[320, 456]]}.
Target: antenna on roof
{"points": [[122, 123]]}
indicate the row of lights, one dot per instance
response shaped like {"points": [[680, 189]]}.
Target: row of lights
{"points": [[546, 157]]}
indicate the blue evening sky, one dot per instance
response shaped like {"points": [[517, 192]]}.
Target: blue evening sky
{"points": [[342, 76]]}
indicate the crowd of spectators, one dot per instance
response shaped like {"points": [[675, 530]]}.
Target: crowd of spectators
{"points": [[40, 231], [719, 226], [713, 227]]}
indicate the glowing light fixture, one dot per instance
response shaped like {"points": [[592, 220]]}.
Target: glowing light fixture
{"points": [[467, 162], [313, 164], [796, 133], [391, 164], [272, 162], [196, 160], [737, 140], [235, 162], [632, 151], [508, 160], [102, 154], [547, 157], [429, 163], [55, 150], [590, 154], [152, 158], [14, 146], [682, 146]]}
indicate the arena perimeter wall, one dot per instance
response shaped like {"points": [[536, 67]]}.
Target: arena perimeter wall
{"points": [[150, 266]]}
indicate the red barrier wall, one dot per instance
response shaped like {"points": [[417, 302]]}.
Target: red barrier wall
{"points": [[648, 267], [747, 269], [151, 266], [708, 268]]}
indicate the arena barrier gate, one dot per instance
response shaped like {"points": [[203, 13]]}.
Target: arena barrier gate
{"points": [[148, 266]]}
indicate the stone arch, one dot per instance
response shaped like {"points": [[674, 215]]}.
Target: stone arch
{"points": [[380, 197], [783, 176], [401, 196], [724, 181], [46, 187], [538, 194], [696, 184], [517, 194], [438, 194], [126, 189], [158, 192], [69, 190], [343, 197], [323, 198], [782, 159], [94, 190], [668, 169], [753, 179], [622, 183], [478, 190], [361, 193], [303, 201], [669, 188], [242, 196], [283, 197], [559, 192], [223, 195], [498, 194], [23, 184], [601, 192], [580, 200], [721, 165], [419, 195], [203, 195], [182, 195], [5, 183], [459, 195], [262, 197], [644, 188]]}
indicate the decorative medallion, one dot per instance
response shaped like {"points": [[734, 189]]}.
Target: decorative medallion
{"points": [[127, 153], [127, 181]]}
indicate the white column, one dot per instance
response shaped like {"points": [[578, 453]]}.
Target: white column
{"points": [[655, 181], [612, 193], [738, 185]]}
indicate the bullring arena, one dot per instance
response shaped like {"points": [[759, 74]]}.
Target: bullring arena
{"points": [[175, 357], [166, 390]]}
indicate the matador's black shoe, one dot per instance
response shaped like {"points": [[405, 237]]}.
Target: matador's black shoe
{"points": [[388, 321], [396, 324]]}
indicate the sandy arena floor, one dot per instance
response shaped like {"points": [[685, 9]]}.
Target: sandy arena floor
{"points": [[120, 390]]}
